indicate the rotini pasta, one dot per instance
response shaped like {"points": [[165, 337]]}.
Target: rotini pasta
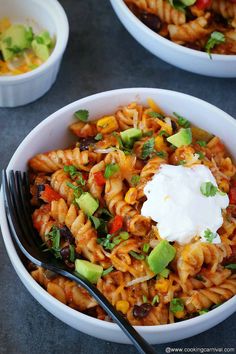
{"points": [[206, 26], [88, 206]]}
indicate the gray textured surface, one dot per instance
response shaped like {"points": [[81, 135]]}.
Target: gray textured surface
{"points": [[100, 56]]}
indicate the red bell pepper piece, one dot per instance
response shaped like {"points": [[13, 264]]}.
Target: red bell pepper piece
{"points": [[232, 195], [116, 224], [203, 4], [99, 178], [48, 195]]}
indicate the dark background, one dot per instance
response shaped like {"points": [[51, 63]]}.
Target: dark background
{"points": [[100, 56]]}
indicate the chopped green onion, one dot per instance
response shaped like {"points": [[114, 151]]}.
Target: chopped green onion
{"points": [[136, 255], [135, 180], [124, 235], [111, 169], [145, 299], [231, 266], [199, 277], [72, 253], [176, 305], [96, 221], [82, 115], [107, 271], [160, 153], [148, 133], [165, 273], [203, 311], [164, 133], [146, 247], [155, 300], [183, 122], [156, 115], [98, 137], [200, 155], [201, 143]]}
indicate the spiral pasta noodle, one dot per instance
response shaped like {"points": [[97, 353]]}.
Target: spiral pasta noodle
{"points": [[208, 26], [88, 203]]}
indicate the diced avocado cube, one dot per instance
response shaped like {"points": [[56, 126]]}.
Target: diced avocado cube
{"points": [[188, 2], [41, 50], [87, 203], [183, 137], [130, 135], [161, 256], [44, 38], [13, 40], [90, 271]]}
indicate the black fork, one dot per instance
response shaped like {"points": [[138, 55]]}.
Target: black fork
{"points": [[16, 199]]}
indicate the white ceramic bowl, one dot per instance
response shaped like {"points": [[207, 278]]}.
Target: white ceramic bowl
{"points": [[175, 54], [40, 15], [52, 133]]}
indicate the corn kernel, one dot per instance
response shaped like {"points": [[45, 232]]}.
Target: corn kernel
{"points": [[160, 143], [131, 196], [180, 314], [122, 306], [107, 124], [162, 285]]}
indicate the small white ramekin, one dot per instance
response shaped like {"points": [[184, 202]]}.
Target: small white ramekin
{"points": [[47, 15], [185, 58], [52, 133]]}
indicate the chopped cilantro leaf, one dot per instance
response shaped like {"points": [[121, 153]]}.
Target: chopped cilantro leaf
{"points": [[209, 190], [215, 38], [209, 235], [148, 148], [82, 115]]}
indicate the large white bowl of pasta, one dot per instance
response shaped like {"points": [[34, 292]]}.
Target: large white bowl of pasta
{"points": [[166, 305], [200, 37]]}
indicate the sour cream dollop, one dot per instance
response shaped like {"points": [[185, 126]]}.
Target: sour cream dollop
{"points": [[176, 203]]}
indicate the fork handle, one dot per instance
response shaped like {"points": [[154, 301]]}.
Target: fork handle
{"points": [[139, 342]]}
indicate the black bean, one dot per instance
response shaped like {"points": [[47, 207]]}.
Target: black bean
{"points": [[142, 310], [174, 126], [40, 189], [50, 274], [150, 20], [66, 234], [65, 252], [69, 264], [85, 143]]}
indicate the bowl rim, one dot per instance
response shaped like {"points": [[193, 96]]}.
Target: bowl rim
{"points": [[42, 293], [61, 42], [157, 37]]}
